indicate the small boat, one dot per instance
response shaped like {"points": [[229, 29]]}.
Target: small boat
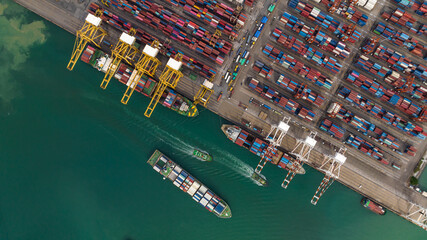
{"points": [[260, 179], [204, 156], [374, 207]]}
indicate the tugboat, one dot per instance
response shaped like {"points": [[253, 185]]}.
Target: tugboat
{"points": [[374, 207], [259, 178], [204, 156]]}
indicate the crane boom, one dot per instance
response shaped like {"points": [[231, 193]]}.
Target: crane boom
{"points": [[90, 32]]}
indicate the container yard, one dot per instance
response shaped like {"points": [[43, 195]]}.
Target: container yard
{"points": [[349, 77]]}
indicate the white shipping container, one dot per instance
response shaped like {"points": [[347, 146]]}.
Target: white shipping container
{"points": [[203, 189], [208, 196], [176, 183], [178, 169], [156, 168], [203, 201], [193, 188]]}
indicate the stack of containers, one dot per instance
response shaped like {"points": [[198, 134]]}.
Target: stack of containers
{"points": [[348, 12], [389, 141], [342, 31], [397, 80], [324, 20], [366, 147], [123, 73], [249, 2], [411, 150], [400, 63], [321, 39], [386, 95], [258, 146], [314, 14], [420, 7], [284, 161], [298, 67], [306, 51], [262, 69], [217, 15], [379, 112], [329, 127], [368, 128], [374, 68], [146, 38], [399, 38], [174, 26], [87, 54], [170, 97], [400, 18], [296, 87], [280, 100]]}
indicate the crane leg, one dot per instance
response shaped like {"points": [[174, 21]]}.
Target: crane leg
{"points": [[114, 65], [79, 45], [130, 89], [155, 99], [288, 179], [324, 185], [260, 165]]}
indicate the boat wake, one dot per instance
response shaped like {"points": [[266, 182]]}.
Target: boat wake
{"points": [[234, 163], [162, 135]]}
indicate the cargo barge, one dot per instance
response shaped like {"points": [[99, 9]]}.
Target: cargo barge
{"points": [[189, 184], [374, 207], [146, 85], [258, 146]]}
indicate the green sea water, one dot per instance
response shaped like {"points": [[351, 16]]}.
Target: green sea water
{"points": [[73, 161]]}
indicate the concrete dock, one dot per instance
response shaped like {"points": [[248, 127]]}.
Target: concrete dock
{"points": [[370, 178]]}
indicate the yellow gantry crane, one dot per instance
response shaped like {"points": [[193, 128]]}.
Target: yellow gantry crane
{"points": [[147, 64], [169, 78], [90, 32], [124, 50], [203, 95]]}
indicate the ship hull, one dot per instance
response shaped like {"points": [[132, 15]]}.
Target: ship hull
{"points": [[146, 86], [189, 184], [374, 207], [258, 146]]}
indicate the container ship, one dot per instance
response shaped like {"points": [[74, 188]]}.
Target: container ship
{"points": [[189, 184], [258, 146], [369, 204], [146, 85]]}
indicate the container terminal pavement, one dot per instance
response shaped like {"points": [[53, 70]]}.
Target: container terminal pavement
{"points": [[346, 77]]}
